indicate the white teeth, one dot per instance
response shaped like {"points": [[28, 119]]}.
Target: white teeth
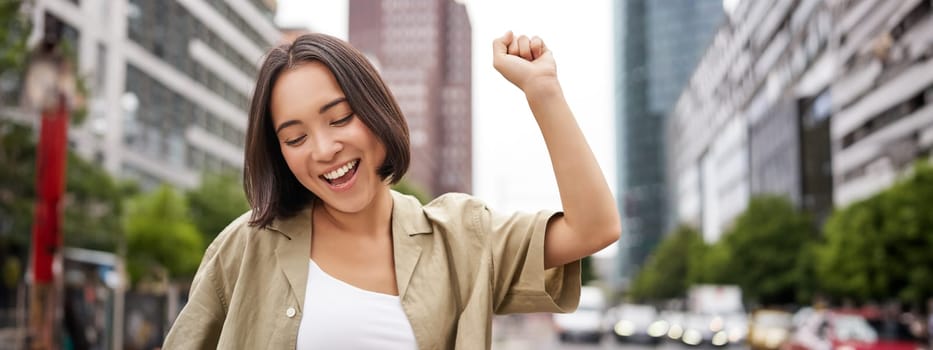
{"points": [[341, 171]]}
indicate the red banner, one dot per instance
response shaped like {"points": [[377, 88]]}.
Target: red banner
{"points": [[51, 159]]}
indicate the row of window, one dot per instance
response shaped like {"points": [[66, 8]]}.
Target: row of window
{"points": [[165, 29], [889, 116], [238, 22], [158, 126]]}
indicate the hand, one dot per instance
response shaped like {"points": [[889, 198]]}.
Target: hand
{"points": [[527, 63]]}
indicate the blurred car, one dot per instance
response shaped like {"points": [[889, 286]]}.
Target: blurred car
{"points": [[709, 329], [697, 329], [833, 330], [768, 329], [637, 323], [587, 322], [736, 327], [895, 327], [675, 323]]}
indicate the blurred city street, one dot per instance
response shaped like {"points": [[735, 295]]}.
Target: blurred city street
{"points": [[536, 331], [771, 161]]}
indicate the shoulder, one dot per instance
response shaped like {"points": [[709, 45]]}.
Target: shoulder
{"points": [[449, 212], [457, 208], [236, 237], [454, 201]]}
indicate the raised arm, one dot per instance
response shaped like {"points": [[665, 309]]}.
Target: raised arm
{"points": [[590, 221]]}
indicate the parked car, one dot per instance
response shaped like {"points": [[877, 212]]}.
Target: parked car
{"points": [[697, 329], [587, 322], [894, 326], [768, 329], [637, 323], [834, 330], [736, 327], [675, 323], [711, 329]]}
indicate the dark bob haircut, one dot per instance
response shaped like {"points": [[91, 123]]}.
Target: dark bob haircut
{"points": [[271, 188]]}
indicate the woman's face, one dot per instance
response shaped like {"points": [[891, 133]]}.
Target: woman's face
{"points": [[328, 148]]}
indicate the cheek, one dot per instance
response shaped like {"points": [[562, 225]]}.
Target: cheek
{"points": [[375, 146], [292, 160]]}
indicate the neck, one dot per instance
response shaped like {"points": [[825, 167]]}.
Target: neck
{"points": [[369, 221]]}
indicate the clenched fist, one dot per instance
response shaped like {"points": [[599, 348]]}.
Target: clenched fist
{"points": [[525, 62]]}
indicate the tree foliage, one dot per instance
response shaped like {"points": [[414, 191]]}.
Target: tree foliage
{"points": [[765, 247], [407, 187], [880, 248], [161, 238], [765, 253], [93, 206], [215, 203], [665, 273], [92, 201], [13, 33], [712, 266]]}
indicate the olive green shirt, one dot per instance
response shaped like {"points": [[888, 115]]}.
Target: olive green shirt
{"points": [[456, 263]]}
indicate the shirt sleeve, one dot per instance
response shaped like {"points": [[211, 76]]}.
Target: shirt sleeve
{"points": [[199, 323], [521, 284]]}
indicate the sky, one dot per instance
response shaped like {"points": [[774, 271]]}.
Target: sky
{"points": [[511, 168]]}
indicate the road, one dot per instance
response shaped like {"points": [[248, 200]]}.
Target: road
{"points": [[534, 332]]}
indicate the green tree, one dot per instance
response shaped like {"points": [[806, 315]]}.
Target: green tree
{"points": [[17, 186], [92, 200], [93, 206], [407, 187], [665, 273], [13, 33], [587, 270], [216, 202], [161, 239], [879, 248], [765, 246], [712, 266]]}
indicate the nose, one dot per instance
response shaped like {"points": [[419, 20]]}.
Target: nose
{"points": [[325, 148]]}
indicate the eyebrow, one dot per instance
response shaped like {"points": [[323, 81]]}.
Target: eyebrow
{"points": [[330, 104], [323, 109]]}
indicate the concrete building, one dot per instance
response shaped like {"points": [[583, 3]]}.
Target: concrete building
{"points": [[169, 81], [657, 45], [423, 50], [820, 101], [882, 98]]}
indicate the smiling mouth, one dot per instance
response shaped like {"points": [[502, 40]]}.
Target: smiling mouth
{"points": [[343, 174]]}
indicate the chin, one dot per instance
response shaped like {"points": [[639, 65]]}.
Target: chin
{"points": [[353, 202]]}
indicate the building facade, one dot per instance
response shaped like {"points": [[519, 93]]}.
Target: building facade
{"points": [[819, 101], [423, 50], [657, 45], [882, 100], [169, 81]]}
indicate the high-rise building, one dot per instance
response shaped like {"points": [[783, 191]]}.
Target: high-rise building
{"points": [[882, 98], [737, 129], [169, 81], [423, 51], [824, 102], [657, 45]]}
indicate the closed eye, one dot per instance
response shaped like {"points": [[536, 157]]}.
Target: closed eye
{"points": [[342, 121], [295, 141]]}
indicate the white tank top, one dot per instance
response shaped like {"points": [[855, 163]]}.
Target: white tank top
{"points": [[338, 315]]}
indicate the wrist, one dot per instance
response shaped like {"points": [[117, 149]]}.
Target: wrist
{"points": [[542, 88]]}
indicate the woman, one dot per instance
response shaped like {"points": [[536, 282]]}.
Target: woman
{"points": [[330, 257]]}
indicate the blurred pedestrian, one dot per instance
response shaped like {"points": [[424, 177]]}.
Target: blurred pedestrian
{"points": [[330, 257]]}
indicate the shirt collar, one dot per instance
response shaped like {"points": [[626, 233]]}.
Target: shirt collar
{"points": [[294, 226], [407, 217], [409, 224]]}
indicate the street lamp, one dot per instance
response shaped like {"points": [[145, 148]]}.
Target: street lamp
{"points": [[49, 85]]}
